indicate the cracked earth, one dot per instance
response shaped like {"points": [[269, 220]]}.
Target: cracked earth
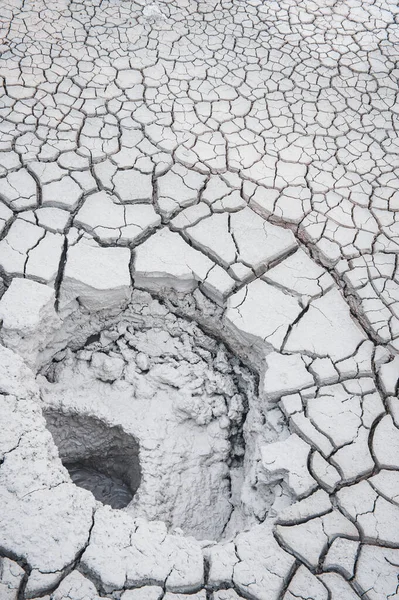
{"points": [[199, 300]]}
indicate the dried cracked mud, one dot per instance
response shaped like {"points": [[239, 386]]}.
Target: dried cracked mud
{"points": [[199, 300]]}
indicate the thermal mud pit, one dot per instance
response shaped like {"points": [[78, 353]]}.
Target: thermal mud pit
{"points": [[159, 418]]}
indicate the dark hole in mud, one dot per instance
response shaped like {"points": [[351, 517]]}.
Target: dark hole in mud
{"points": [[95, 337], [99, 458], [106, 489]]}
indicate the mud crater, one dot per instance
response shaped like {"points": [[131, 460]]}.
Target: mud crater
{"points": [[158, 418]]}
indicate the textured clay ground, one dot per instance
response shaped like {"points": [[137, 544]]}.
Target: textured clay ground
{"points": [[199, 215]]}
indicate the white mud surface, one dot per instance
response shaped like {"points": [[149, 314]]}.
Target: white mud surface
{"points": [[199, 300]]}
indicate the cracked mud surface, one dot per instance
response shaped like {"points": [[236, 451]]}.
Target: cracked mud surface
{"points": [[199, 300]]}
